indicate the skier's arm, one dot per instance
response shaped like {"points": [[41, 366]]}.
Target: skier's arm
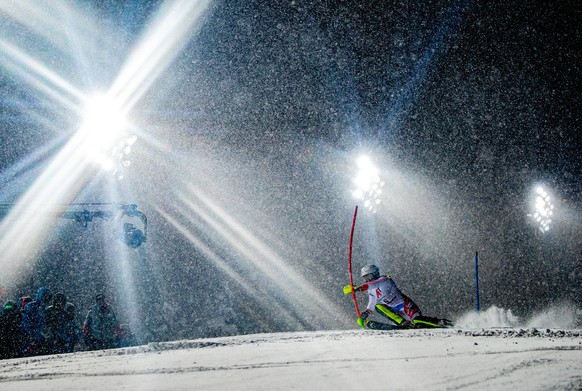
{"points": [[349, 288]]}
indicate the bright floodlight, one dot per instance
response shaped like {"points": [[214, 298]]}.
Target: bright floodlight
{"points": [[103, 119], [368, 184], [103, 130], [544, 210]]}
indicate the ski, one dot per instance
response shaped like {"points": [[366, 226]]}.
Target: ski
{"points": [[373, 325], [432, 323]]}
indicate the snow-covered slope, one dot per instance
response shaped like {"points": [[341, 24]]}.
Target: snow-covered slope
{"points": [[488, 359]]}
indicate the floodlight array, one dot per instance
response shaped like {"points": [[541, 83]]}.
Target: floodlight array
{"points": [[368, 185], [544, 210]]}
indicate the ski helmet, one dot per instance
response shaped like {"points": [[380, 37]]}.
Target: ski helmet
{"points": [[371, 269]]}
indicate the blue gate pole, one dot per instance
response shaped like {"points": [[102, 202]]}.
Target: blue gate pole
{"points": [[477, 281]]}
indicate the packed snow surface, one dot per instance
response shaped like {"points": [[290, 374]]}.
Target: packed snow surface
{"points": [[446, 359]]}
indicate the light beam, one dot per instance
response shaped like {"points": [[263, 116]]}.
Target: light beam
{"points": [[70, 169]]}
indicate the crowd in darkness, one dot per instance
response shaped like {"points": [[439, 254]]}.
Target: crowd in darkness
{"points": [[48, 324]]}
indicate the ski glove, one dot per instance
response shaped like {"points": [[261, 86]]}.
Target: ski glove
{"points": [[350, 288]]}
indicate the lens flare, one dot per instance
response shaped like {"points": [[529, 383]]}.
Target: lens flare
{"points": [[71, 169]]}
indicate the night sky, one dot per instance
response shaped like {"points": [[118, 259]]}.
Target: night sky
{"points": [[246, 143]]}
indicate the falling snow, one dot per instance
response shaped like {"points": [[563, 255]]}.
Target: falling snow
{"points": [[245, 121]]}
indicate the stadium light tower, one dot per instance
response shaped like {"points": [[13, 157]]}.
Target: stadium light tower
{"points": [[368, 185], [104, 134], [543, 209]]}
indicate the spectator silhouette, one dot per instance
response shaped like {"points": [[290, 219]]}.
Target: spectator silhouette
{"points": [[34, 323], [100, 326], [61, 324], [72, 329], [10, 338]]}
